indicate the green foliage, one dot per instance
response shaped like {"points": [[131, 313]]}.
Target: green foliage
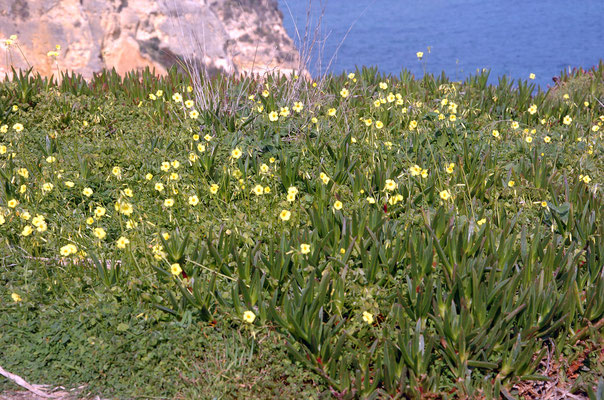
{"points": [[407, 238]]}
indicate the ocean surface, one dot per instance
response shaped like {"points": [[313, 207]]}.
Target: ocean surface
{"points": [[509, 37]]}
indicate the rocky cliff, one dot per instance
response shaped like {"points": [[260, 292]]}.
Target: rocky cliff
{"points": [[234, 36]]}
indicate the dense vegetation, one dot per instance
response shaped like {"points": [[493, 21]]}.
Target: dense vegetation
{"points": [[364, 236]]}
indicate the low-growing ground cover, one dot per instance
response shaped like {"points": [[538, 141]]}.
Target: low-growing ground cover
{"points": [[364, 236]]}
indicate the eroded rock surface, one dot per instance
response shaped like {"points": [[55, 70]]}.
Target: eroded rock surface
{"points": [[233, 36]]}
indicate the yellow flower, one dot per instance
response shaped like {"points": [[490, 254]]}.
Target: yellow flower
{"points": [[298, 106], [445, 195], [249, 317], [586, 179], [413, 125], [595, 128], [194, 114], [567, 120], [128, 192], [424, 173], [267, 190], [258, 190], [100, 233], [368, 122], [159, 186], [450, 168], [47, 187], [304, 248], [379, 124], [452, 118], [481, 221], [314, 120], [201, 148], [122, 242], [193, 200], [37, 220], [68, 250], [531, 76], [495, 133], [42, 227], [511, 183], [420, 54], [189, 103], [370, 200], [177, 97], [351, 75], [515, 125], [16, 298], [69, 184], [390, 185], [18, 127], [174, 176], [99, 212], [175, 269], [390, 97], [12, 203], [27, 230], [22, 189], [344, 92], [532, 109], [3, 148], [273, 116], [169, 202], [159, 93], [285, 215], [368, 317], [87, 192], [214, 188], [236, 153], [529, 139], [337, 205], [331, 112], [264, 168], [324, 178], [2, 219], [291, 197], [152, 96], [544, 204], [90, 220], [117, 171], [415, 170], [126, 208], [207, 138], [23, 172], [284, 111], [383, 85], [265, 93]]}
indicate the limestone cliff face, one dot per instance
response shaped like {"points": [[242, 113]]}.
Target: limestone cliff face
{"points": [[233, 36]]}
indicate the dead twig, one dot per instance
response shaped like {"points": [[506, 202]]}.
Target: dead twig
{"points": [[35, 389]]}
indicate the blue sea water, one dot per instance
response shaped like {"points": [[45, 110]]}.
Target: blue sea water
{"points": [[509, 37]]}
